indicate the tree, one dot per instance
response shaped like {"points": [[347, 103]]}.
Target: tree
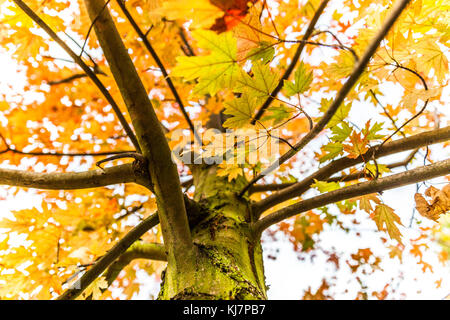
{"points": [[110, 86]]}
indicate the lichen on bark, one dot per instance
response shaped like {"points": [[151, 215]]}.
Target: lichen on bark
{"points": [[228, 257]]}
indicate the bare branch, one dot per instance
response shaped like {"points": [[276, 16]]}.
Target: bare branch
{"points": [[138, 250], [158, 61], [83, 66], [196, 214], [151, 137], [348, 177], [72, 180], [68, 79], [60, 154], [294, 61], [269, 187], [362, 173], [397, 146], [394, 181], [187, 49], [356, 73], [119, 248]]}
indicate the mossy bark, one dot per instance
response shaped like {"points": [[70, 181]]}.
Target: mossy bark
{"points": [[228, 262]]}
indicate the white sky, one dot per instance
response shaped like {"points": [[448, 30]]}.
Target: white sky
{"points": [[287, 276]]}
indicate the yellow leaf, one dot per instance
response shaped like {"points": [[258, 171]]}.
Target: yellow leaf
{"points": [[95, 288], [230, 171], [202, 12], [386, 219]]}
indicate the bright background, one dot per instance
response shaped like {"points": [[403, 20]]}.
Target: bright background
{"points": [[288, 275]]}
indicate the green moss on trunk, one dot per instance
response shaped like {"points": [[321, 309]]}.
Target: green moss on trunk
{"points": [[228, 262]]}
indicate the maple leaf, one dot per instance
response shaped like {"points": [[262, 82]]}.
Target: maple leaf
{"points": [[320, 293], [278, 114], [95, 288], [235, 11], [214, 71], [411, 97], [340, 133], [262, 83], [202, 12], [396, 251], [340, 114], [324, 186], [358, 145], [371, 132], [333, 149], [241, 111], [230, 171], [302, 81], [344, 65], [365, 202], [373, 169], [253, 43], [432, 57], [264, 52], [386, 219]]}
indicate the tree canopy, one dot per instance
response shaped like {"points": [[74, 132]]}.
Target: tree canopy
{"points": [[319, 107]]}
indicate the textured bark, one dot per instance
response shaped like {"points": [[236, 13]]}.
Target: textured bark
{"points": [[73, 180], [229, 262], [152, 141]]}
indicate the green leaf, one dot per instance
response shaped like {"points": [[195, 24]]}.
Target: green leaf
{"points": [[324, 186], [278, 114], [341, 133], [340, 115], [372, 168], [302, 81], [264, 52], [371, 133], [289, 179], [241, 111], [214, 71], [261, 85], [333, 149]]}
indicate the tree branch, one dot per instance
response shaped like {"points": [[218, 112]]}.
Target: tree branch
{"points": [[189, 52], [394, 181], [348, 177], [297, 189], [68, 79], [72, 180], [150, 135], [294, 61], [83, 66], [269, 187], [362, 173], [138, 250], [158, 61], [119, 248], [356, 73], [196, 214]]}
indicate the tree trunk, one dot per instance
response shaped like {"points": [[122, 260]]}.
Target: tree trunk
{"points": [[228, 262]]}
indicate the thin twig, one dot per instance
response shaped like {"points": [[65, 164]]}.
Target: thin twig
{"points": [[119, 248], [394, 181], [356, 73], [294, 61], [158, 61]]}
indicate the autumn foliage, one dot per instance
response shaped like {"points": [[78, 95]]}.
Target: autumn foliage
{"points": [[278, 67]]}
